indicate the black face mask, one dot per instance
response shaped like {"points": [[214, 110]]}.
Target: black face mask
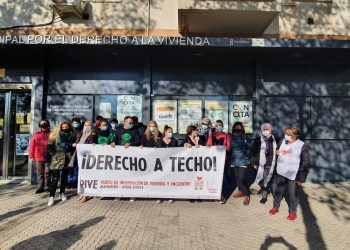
{"points": [[44, 125], [65, 130]]}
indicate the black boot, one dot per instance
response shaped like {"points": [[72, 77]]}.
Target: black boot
{"points": [[263, 200]]}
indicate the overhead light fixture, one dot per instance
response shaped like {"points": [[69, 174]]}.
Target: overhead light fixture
{"points": [[65, 8]]}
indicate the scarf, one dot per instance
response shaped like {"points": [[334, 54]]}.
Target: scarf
{"points": [[262, 161], [64, 140]]}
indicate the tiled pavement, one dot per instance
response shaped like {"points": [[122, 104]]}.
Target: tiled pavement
{"points": [[27, 223]]}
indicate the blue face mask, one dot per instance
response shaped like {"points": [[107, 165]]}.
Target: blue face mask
{"points": [[170, 135], [87, 129], [104, 128], [219, 129], [130, 126], [287, 138], [76, 125], [152, 129], [113, 125], [204, 126]]}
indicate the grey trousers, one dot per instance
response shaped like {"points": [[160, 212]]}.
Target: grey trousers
{"points": [[43, 174], [288, 189]]}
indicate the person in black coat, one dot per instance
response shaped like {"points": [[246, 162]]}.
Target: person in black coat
{"points": [[151, 135], [127, 136]]}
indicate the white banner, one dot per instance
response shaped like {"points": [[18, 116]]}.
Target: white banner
{"points": [[176, 173]]}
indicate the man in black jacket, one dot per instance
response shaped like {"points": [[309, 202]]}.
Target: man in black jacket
{"points": [[127, 136]]}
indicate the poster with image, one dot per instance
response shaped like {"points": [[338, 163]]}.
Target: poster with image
{"points": [[129, 105], [217, 110], [190, 113], [22, 144], [106, 109], [165, 113], [242, 111]]}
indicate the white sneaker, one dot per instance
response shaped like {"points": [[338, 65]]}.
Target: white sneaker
{"points": [[170, 201], [51, 201], [159, 201], [132, 199], [63, 197]]}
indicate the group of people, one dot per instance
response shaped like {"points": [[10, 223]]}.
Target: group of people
{"points": [[281, 165]]}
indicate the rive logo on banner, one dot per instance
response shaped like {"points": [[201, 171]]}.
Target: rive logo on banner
{"points": [[151, 173]]}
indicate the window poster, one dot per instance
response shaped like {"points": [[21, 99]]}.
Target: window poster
{"points": [[129, 105], [66, 107], [190, 113], [106, 109], [217, 110], [22, 144], [165, 113], [242, 111]]}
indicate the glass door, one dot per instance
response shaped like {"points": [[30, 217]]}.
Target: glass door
{"points": [[15, 107]]}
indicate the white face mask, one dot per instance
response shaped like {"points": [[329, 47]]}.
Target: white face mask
{"points": [[266, 133]]}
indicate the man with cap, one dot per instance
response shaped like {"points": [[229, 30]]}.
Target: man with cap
{"points": [[204, 131]]}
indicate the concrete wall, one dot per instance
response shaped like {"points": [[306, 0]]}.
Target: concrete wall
{"points": [[136, 17]]}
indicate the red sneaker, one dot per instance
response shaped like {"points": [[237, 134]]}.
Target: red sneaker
{"points": [[274, 211], [246, 201], [292, 216], [239, 194]]}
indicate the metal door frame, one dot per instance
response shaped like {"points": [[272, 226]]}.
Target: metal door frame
{"points": [[9, 89]]}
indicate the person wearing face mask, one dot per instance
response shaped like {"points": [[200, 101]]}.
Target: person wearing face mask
{"points": [[204, 131], [293, 164], [168, 141], [37, 151], [239, 160], [104, 136], [60, 147], [87, 137], [219, 138], [191, 139], [151, 136], [263, 159], [98, 120], [114, 125], [127, 136], [73, 170]]}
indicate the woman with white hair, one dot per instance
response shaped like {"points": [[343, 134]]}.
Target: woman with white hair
{"points": [[263, 159]]}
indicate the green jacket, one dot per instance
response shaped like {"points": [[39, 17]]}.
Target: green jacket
{"points": [[59, 157]]}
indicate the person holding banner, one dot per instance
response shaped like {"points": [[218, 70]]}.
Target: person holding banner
{"points": [[168, 141], [104, 136], [127, 136], [151, 136], [219, 138], [293, 164], [114, 125], [191, 140], [204, 131], [61, 150], [87, 137], [239, 160], [263, 159]]}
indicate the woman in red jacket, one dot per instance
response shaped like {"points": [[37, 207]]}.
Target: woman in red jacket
{"points": [[37, 150]]}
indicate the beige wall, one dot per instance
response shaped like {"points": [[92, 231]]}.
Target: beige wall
{"points": [[133, 17]]}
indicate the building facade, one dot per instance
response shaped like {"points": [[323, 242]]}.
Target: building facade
{"points": [[177, 61]]}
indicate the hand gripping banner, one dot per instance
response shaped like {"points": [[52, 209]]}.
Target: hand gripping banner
{"points": [[174, 173]]}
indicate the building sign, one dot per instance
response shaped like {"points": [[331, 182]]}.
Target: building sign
{"points": [[217, 110], [242, 111], [165, 113], [190, 113], [66, 107], [129, 105], [127, 40], [2, 72]]}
